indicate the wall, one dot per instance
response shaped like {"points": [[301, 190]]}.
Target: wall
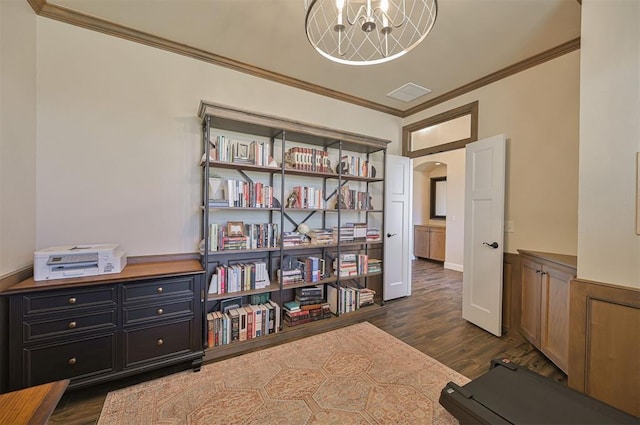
{"points": [[538, 111], [422, 174], [454, 161], [119, 141], [608, 246], [17, 134]]}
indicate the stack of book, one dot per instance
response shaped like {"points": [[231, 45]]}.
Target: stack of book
{"points": [[344, 233], [320, 236], [296, 314], [359, 231], [229, 243], [293, 239], [309, 296], [243, 194], [375, 265], [373, 235], [242, 323], [261, 235], [226, 150], [364, 297], [289, 277]]}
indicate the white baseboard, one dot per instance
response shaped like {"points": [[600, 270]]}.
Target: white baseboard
{"points": [[453, 266]]}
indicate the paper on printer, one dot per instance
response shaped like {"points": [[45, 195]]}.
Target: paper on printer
{"points": [[59, 262]]}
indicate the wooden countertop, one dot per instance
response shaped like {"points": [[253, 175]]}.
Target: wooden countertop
{"points": [[561, 259], [130, 272], [32, 405]]}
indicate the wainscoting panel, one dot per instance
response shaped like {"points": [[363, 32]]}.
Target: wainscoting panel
{"points": [[604, 343]]}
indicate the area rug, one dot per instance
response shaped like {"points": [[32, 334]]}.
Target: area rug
{"points": [[354, 375]]}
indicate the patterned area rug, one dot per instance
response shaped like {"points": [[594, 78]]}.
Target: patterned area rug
{"points": [[354, 375]]}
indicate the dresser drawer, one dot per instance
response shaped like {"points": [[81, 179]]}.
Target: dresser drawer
{"points": [[34, 330], [158, 289], [146, 313], [74, 360], [52, 301], [154, 343]]}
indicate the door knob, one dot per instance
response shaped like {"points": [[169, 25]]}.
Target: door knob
{"points": [[391, 234], [493, 245]]}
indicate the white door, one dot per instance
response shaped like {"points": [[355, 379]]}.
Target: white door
{"points": [[483, 233], [397, 234]]}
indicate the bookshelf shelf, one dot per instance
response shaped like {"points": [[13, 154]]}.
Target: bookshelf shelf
{"points": [[314, 167], [271, 288]]}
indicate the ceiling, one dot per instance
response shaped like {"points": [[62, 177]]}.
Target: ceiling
{"points": [[473, 42]]}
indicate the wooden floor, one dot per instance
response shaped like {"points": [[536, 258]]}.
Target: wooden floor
{"points": [[429, 320]]}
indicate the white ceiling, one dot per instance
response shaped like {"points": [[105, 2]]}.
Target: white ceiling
{"points": [[470, 40]]}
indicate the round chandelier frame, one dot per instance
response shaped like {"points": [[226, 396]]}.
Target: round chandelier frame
{"points": [[367, 32]]}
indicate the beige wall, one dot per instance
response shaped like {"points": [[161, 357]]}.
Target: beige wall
{"points": [[119, 141], [17, 134], [538, 112], [608, 246]]}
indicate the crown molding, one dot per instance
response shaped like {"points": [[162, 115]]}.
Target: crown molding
{"points": [[545, 56], [69, 16]]}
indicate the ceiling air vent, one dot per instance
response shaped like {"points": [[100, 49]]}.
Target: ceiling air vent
{"points": [[408, 92]]}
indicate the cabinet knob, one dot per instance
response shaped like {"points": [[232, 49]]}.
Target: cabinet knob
{"points": [[72, 300], [159, 290], [160, 311], [542, 273], [72, 361], [159, 342], [72, 325], [538, 271]]}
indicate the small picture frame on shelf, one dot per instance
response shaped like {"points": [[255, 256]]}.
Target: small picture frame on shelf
{"points": [[235, 228], [243, 151]]}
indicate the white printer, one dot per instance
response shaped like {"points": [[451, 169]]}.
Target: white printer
{"points": [[59, 262]]}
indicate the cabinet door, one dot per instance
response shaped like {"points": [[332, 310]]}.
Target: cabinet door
{"points": [[436, 243], [530, 311], [554, 332], [421, 242]]}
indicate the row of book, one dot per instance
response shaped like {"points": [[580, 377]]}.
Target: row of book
{"points": [[345, 299], [356, 166], [254, 236], [350, 232], [224, 149], [243, 194], [239, 277], [308, 159], [351, 199], [306, 197], [242, 323], [351, 265]]}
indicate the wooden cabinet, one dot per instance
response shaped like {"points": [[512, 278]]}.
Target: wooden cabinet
{"points": [[544, 318], [91, 331], [429, 242]]}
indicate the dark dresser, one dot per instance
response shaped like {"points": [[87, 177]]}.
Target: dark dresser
{"points": [[99, 328]]}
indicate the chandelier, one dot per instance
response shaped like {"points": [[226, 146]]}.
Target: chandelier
{"points": [[366, 32]]}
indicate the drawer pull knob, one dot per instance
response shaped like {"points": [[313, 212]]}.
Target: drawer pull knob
{"points": [[72, 361], [159, 290], [160, 311], [159, 342], [72, 300], [72, 325]]}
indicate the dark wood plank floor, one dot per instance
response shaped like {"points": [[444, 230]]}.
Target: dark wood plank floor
{"points": [[429, 320]]}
